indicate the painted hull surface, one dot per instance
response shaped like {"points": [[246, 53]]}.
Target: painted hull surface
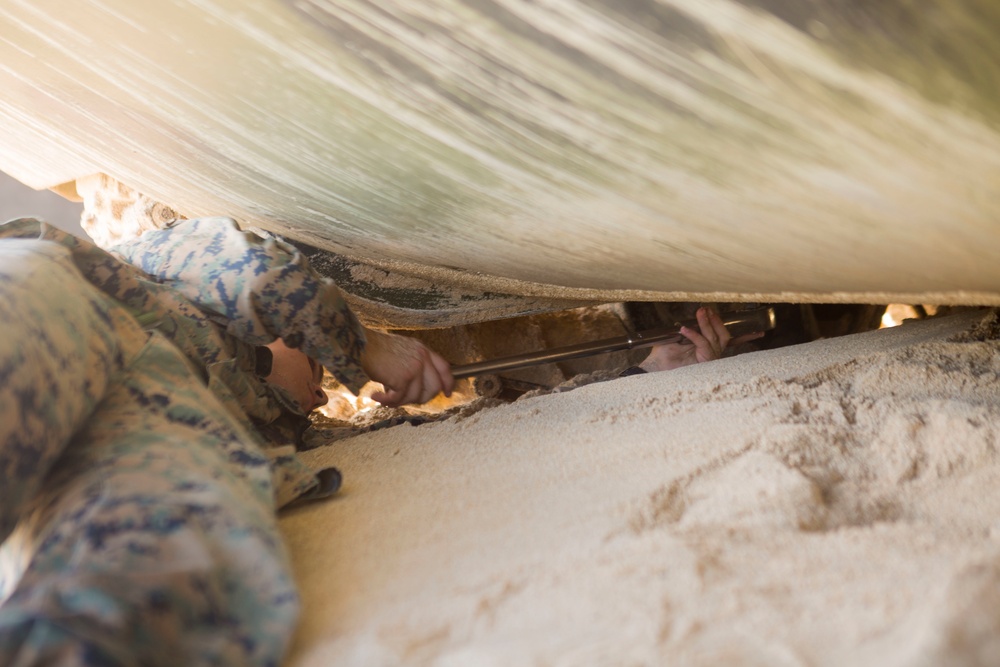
{"points": [[754, 150]]}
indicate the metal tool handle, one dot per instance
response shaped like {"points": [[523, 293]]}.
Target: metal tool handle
{"points": [[739, 323]]}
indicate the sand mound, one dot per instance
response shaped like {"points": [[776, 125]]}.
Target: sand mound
{"points": [[829, 504]]}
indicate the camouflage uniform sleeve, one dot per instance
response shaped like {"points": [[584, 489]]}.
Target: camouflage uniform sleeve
{"points": [[263, 288]]}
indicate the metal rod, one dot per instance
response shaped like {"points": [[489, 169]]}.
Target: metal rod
{"points": [[738, 323]]}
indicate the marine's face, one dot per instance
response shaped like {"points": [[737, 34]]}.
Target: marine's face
{"points": [[298, 374]]}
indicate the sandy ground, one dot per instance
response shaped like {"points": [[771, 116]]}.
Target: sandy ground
{"points": [[834, 503]]}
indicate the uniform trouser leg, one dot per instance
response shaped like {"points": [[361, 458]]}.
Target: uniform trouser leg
{"points": [[151, 537], [58, 352]]}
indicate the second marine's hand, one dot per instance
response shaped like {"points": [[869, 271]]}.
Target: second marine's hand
{"points": [[706, 345]]}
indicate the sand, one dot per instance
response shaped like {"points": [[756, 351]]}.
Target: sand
{"points": [[835, 503]]}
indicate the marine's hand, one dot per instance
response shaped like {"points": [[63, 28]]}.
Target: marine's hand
{"points": [[409, 371], [705, 346]]}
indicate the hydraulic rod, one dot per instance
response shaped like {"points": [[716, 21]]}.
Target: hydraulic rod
{"points": [[739, 323]]}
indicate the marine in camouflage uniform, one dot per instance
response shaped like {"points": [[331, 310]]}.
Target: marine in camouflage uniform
{"points": [[142, 455]]}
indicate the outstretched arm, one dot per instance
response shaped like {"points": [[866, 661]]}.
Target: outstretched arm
{"points": [[263, 288]]}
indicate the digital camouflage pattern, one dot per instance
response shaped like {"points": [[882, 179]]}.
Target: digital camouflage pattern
{"points": [[138, 493], [261, 288]]}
